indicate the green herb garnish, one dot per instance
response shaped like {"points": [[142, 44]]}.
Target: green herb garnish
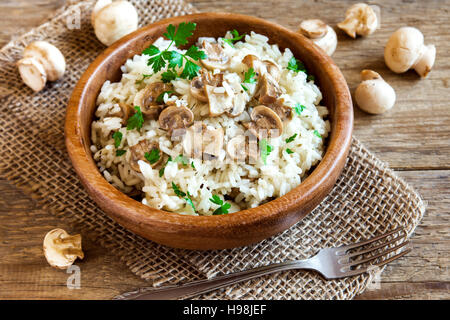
{"points": [[299, 108], [117, 136], [249, 77], [189, 201], [236, 37], [187, 197], [317, 134], [265, 148], [136, 120], [296, 65], [192, 165], [120, 152], [161, 171], [182, 159], [152, 156], [224, 206], [159, 59], [289, 151], [291, 138]]}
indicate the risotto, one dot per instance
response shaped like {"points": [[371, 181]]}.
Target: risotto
{"points": [[245, 130]]}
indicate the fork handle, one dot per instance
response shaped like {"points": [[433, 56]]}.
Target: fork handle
{"points": [[194, 288]]}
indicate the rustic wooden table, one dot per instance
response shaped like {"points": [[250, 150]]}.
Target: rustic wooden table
{"points": [[414, 138]]}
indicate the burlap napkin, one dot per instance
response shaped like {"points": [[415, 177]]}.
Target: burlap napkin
{"points": [[367, 200]]}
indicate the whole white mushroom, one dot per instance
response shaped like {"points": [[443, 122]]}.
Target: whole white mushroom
{"points": [[406, 50], [374, 95], [113, 20], [41, 61], [361, 19], [320, 33]]}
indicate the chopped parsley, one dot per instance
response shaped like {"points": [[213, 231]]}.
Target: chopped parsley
{"points": [[160, 98], [236, 37], [181, 159], [161, 171], [136, 120], [291, 138], [173, 59], [152, 156], [224, 206], [187, 196], [317, 134], [265, 148], [289, 151], [120, 152], [298, 108], [117, 136], [249, 77], [296, 65], [192, 165]]}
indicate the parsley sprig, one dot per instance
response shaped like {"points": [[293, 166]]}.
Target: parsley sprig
{"points": [[317, 134], [224, 206], [160, 59], [136, 120], [117, 136], [186, 195], [249, 77], [296, 65], [291, 138], [298, 108], [236, 37], [152, 156]]}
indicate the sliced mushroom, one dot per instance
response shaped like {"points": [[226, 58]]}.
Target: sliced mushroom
{"points": [[282, 110], [138, 153], [146, 99], [236, 148], [269, 91], [220, 101], [216, 57], [238, 106], [173, 118], [202, 141], [198, 84], [124, 112], [262, 67], [265, 123]]}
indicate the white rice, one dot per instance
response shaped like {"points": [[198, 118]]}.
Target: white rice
{"points": [[257, 182]]}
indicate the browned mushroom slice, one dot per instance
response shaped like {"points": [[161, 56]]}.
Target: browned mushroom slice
{"points": [[269, 91], [265, 123], [282, 110], [262, 67], [198, 84], [138, 153], [273, 70], [147, 99], [124, 112], [216, 57], [174, 117], [201, 141]]}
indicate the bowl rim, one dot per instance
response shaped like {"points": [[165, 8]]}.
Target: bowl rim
{"points": [[124, 209]]}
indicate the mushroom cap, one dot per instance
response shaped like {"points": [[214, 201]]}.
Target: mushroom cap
{"points": [[32, 73], [57, 253], [265, 122], [146, 99], [282, 110], [216, 56], [100, 4], [403, 49], [49, 56], [114, 21], [197, 87], [174, 117], [360, 19], [138, 153], [328, 43], [262, 67], [373, 94], [313, 28]]}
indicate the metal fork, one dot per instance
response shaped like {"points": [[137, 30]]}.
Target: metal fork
{"points": [[331, 263]]}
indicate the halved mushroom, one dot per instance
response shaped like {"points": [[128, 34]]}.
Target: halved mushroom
{"points": [[202, 141], [173, 118], [138, 152], [147, 98], [220, 100], [198, 84], [62, 249], [265, 123], [262, 67], [216, 57], [282, 110], [269, 91]]}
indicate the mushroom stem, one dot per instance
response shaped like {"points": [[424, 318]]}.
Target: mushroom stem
{"points": [[426, 61], [73, 251]]}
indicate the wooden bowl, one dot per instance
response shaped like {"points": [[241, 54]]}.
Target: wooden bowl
{"points": [[221, 231]]}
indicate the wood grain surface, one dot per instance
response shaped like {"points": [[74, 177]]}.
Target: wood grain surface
{"points": [[414, 138]]}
